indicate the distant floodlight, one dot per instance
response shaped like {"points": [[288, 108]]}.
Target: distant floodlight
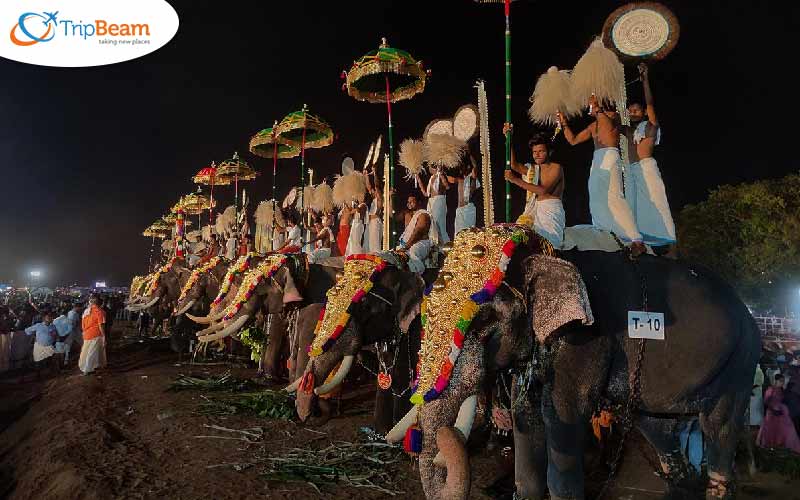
{"points": [[36, 274]]}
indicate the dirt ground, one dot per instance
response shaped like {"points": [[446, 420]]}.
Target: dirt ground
{"points": [[121, 434]]}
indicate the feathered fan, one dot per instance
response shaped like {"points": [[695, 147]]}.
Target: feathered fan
{"points": [[411, 157], [598, 72], [553, 93]]}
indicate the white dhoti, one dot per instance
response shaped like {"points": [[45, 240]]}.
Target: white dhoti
{"points": [[42, 352], [548, 219], [375, 232], [610, 211], [437, 208], [465, 217], [278, 240], [644, 190], [64, 346], [354, 245], [418, 254], [93, 355]]}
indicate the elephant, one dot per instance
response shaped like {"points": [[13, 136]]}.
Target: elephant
{"points": [[704, 365], [388, 313], [292, 287], [204, 289], [160, 300]]}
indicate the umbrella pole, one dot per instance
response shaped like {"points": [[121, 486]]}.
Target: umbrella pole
{"points": [[236, 201], [211, 209], [391, 161], [508, 105], [302, 172], [274, 173]]}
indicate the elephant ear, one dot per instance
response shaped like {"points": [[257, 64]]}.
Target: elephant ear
{"points": [[409, 298], [556, 293], [290, 291]]}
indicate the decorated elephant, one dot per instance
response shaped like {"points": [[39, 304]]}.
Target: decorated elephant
{"points": [[276, 286], [163, 290], [582, 356], [202, 287], [372, 303]]}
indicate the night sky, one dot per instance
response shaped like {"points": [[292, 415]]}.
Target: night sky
{"points": [[92, 156]]}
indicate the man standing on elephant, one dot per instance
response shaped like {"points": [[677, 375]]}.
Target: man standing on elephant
{"points": [[467, 185], [609, 208], [644, 188], [544, 185]]}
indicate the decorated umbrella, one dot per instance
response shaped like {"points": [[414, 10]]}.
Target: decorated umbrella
{"points": [[195, 204], [235, 170], [386, 75], [159, 229], [507, 4], [267, 144], [307, 131], [208, 177]]}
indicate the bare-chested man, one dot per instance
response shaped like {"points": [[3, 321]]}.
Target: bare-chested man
{"points": [[610, 211], [323, 241], [466, 212], [544, 185], [437, 201], [416, 239], [644, 187]]}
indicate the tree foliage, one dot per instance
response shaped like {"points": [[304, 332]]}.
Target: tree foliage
{"points": [[749, 234]]}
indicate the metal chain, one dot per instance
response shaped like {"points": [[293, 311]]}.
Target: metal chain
{"points": [[635, 383], [385, 369]]}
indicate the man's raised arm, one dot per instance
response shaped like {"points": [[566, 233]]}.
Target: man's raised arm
{"points": [[648, 94], [569, 135]]}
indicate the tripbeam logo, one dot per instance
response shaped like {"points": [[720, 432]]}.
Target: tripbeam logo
{"points": [[22, 33], [90, 33]]}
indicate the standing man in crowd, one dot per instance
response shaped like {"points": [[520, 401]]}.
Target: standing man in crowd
{"points": [[46, 335], [93, 353]]}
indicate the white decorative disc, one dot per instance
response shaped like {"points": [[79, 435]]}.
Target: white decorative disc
{"points": [[465, 123], [439, 126], [640, 32]]}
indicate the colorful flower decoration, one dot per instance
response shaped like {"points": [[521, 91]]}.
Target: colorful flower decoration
{"points": [[195, 276], [241, 265], [360, 273], [444, 310], [266, 269], [157, 277]]}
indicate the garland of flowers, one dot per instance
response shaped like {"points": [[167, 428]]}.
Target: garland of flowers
{"points": [[195, 276], [164, 269], [241, 265], [265, 270], [469, 308], [319, 345]]}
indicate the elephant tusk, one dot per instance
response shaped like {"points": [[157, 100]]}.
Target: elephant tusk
{"points": [[233, 328], [185, 308], [398, 432], [211, 329], [464, 420], [294, 385], [338, 377], [207, 319], [141, 307]]}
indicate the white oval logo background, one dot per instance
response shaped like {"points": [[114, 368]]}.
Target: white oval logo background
{"points": [[81, 33]]}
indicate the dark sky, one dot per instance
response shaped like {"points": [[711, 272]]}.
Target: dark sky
{"points": [[92, 156]]}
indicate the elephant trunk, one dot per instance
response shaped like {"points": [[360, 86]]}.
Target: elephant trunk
{"points": [[452, 446], [211, 329]]}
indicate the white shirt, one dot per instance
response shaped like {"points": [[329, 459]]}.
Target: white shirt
{"points": [[230, 248], [295, 236]]}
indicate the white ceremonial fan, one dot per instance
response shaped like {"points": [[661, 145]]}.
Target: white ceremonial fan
{"points": [[440, 126], [377, 154]]}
